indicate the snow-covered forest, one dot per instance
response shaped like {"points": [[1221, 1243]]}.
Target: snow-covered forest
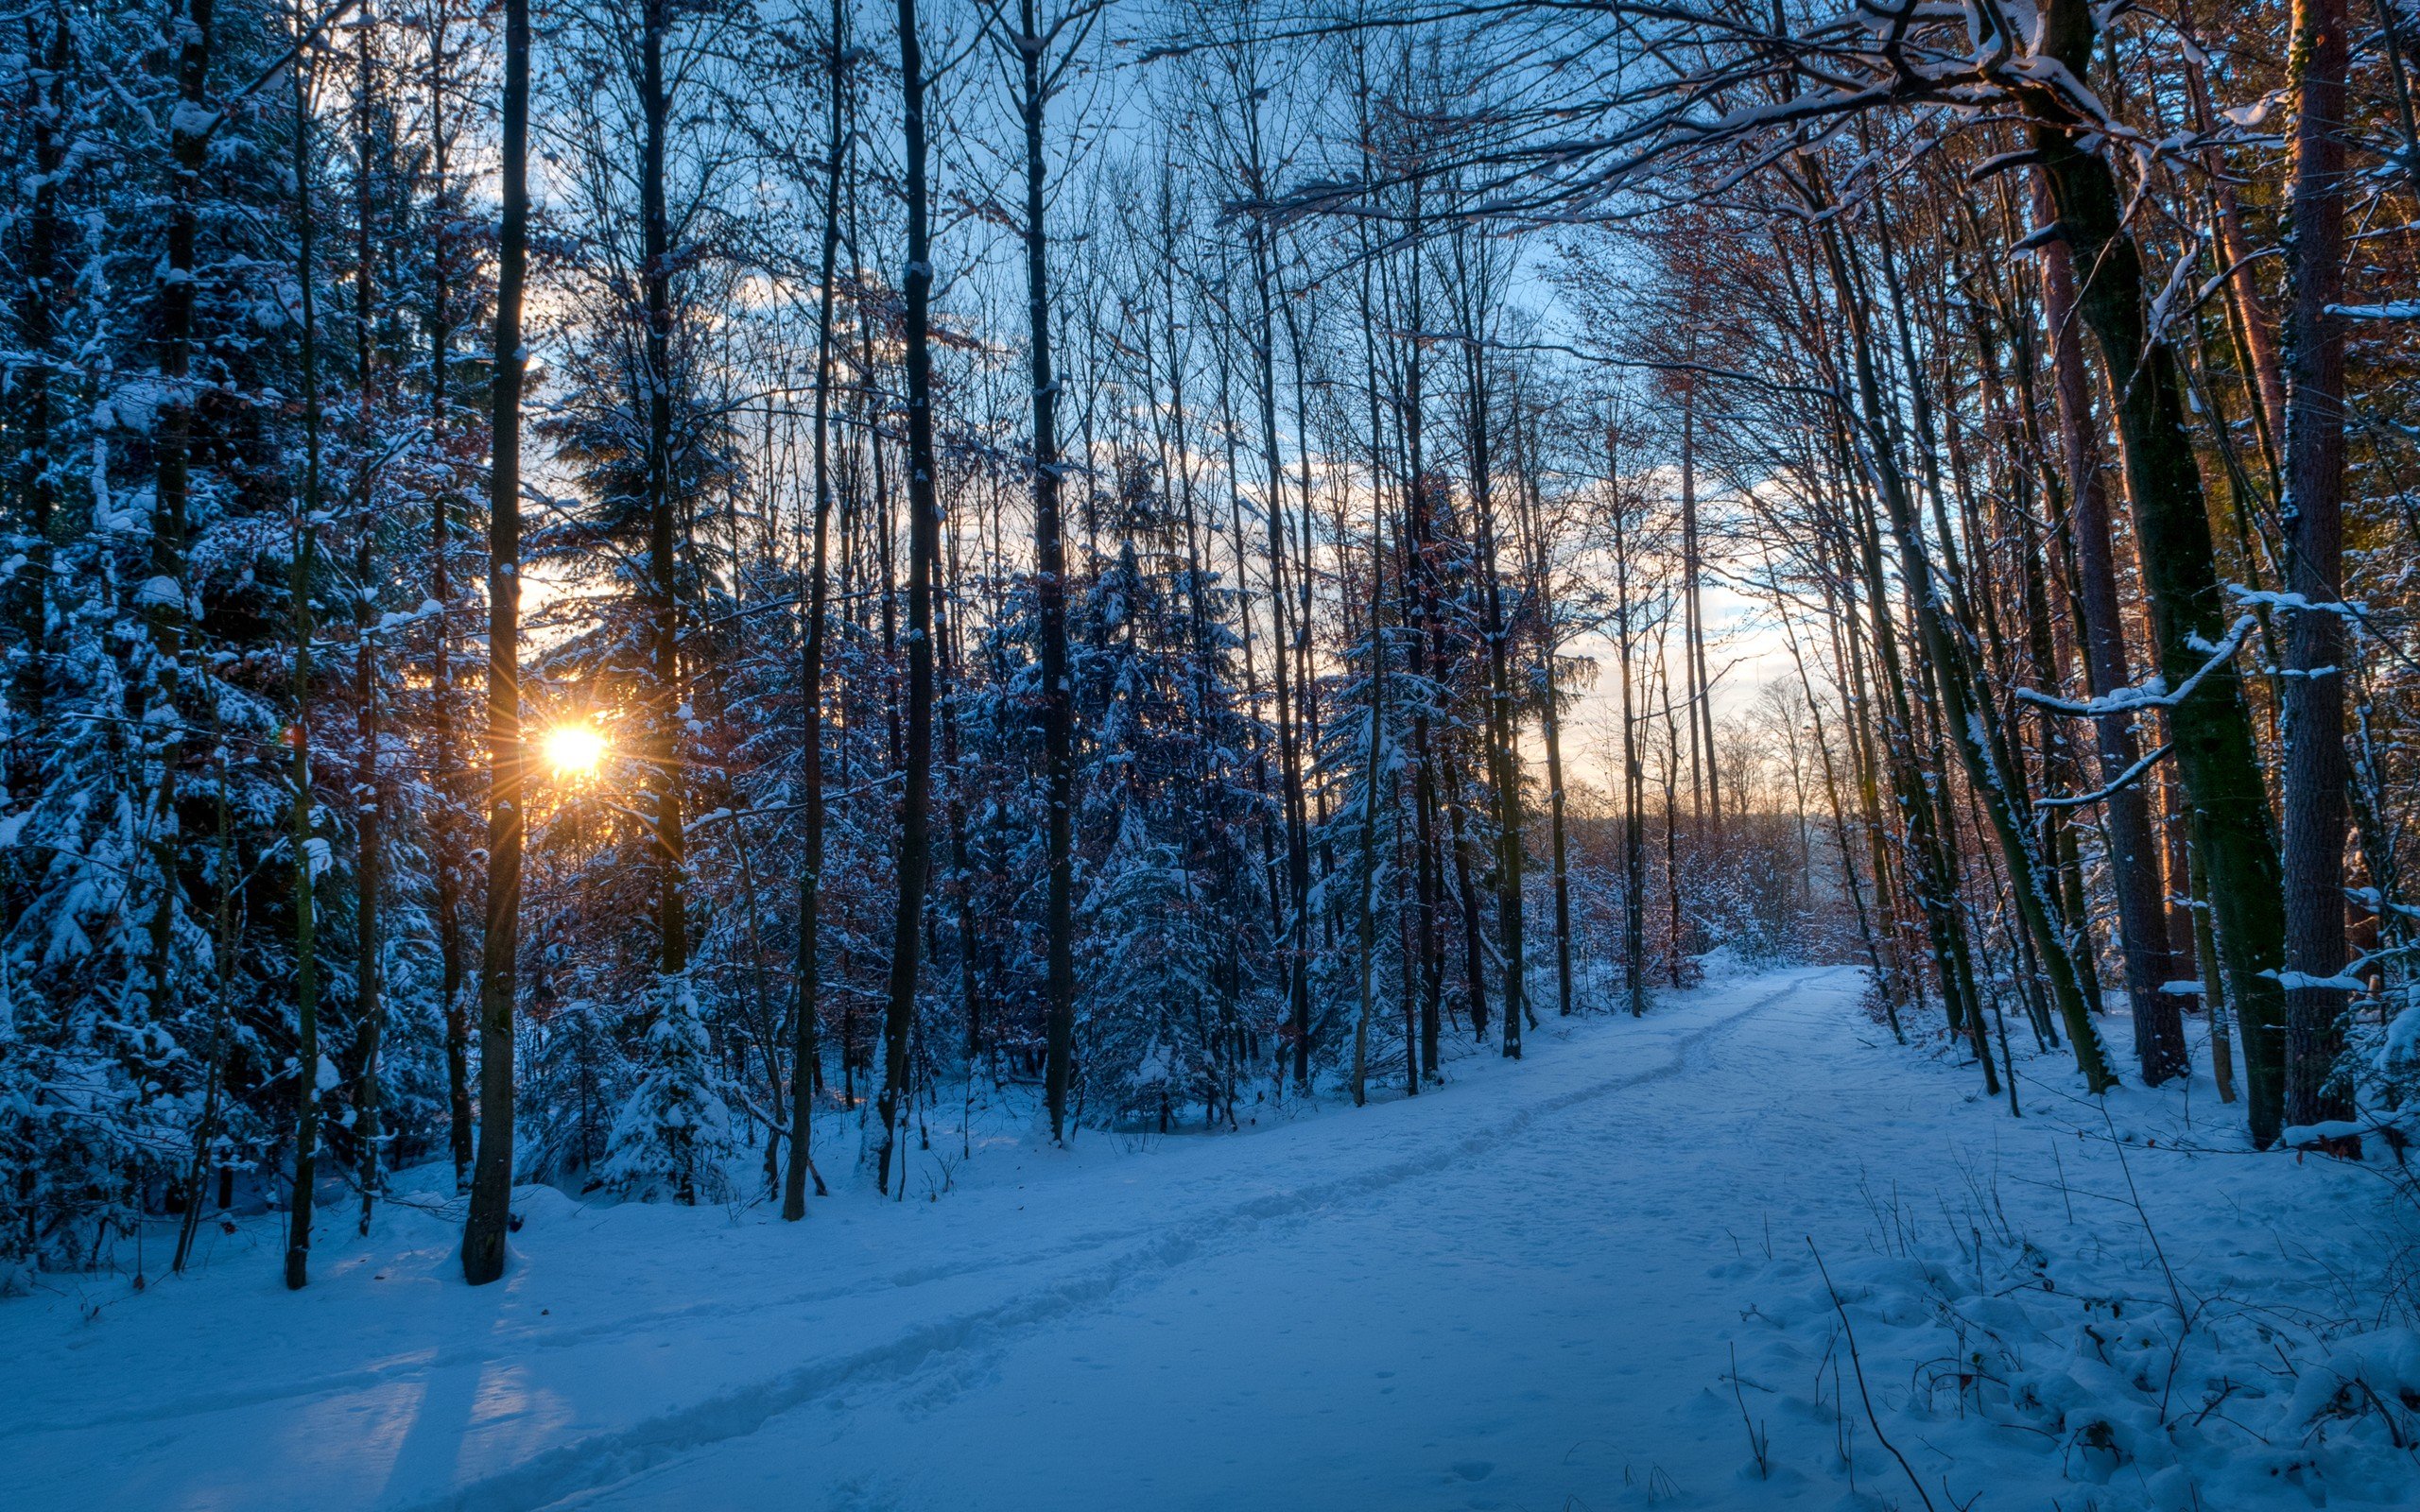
{"points": [[721, 612]]}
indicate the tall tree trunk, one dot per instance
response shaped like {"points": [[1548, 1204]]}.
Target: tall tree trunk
{"points": [[1857, 705], [924, 542], [1550, 719], [483, 1231], [444, 832], [2249, 326], [297, 733], [1706, 796], [2142, 925], [370, 965], [663, 590], [804, 1052], [2216, 753], [163, 594], [1504, 772], [1967, 712], [1306, 686], [1932, 857], [1419, 587], [2316, 768], [1633, 769], [1051, 594], [1289, 756]]}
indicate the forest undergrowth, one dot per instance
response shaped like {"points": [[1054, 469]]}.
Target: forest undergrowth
{"points": [[2176, 1323]]}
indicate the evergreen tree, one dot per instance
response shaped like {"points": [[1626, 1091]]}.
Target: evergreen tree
{"points": [[673, 1135]]}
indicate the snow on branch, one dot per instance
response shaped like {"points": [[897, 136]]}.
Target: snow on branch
{"points": [[2394, 310], [2271, 598], [2152, 693]]}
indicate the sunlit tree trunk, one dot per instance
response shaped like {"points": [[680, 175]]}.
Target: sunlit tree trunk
{"points": [[2216, 752], [2135, 865]]}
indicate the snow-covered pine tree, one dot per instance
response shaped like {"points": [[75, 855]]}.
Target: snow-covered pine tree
{"points": [[1369, 831], [1151, 1002], [673, 1135], [575, 1084], [148, 916], [1167, 921]]}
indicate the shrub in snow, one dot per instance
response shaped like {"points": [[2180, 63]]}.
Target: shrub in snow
{"points": [[68, 1131], [2382, 1063], [1149, 1005], [1367, 872], [674, 1134], [2160, 1385], [572, 1085]]}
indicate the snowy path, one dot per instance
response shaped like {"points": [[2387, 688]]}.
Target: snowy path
{"points": [[1512, 1307], [1511, 1294]]}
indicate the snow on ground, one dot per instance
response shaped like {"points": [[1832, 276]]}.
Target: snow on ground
{"points": [[1582, 1282]]}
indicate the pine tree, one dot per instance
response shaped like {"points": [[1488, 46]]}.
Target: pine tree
{"points": [[674, 1135]]}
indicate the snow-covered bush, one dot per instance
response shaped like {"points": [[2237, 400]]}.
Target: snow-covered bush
{"points": [[2156, 1370], [674, 1134], [2381, 1062], [1149, 1001], [574, 1075]]}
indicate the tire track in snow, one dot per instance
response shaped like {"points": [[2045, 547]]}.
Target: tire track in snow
{"points": [[600, 1460]]}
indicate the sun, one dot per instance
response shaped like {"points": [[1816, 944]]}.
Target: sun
{"points": [[575, 750]]}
